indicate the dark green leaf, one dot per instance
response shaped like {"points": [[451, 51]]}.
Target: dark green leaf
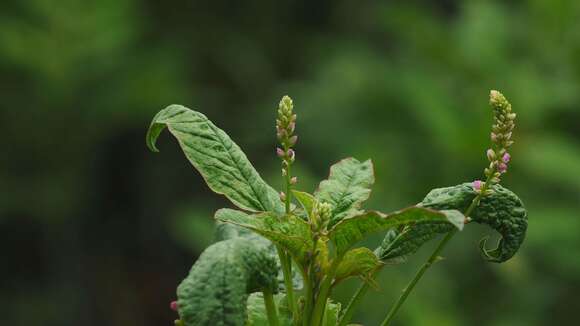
{"points": [[347, 187], [502, 210], [218, 285], [220, 161], [400, 243], [350, 231], [289, 231]]}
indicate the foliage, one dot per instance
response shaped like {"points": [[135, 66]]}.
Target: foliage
{"points": [[317, 235], [399, 82]]}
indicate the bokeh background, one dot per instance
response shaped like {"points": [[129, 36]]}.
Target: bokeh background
{"points": [[96, 230]]}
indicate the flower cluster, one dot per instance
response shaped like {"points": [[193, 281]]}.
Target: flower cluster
{"points": [[320, 217], [501, 134], [285, 126]]}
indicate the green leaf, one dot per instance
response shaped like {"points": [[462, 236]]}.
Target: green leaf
{"points": [[352, 230], [502, 210], [257, 315], [218, 285], [306, 200], [347, 187], [357, 262], [220, 161], [288, 231]]}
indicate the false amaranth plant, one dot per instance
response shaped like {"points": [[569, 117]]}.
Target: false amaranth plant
{"points": [[278, 256]]}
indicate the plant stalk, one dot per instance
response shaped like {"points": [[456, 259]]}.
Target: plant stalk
{"points": [[323, 293], [433, 258], [309, 296], [270, 307], [285, 259]]}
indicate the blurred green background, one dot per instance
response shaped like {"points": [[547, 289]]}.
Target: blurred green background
{"points": [[96, 230]]}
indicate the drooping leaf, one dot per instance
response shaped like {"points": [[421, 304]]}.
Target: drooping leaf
{"points": [[257, 315], [218, 284], [502, 210], [288, 231], [352, 230], [357, 262], [347, 187], [220, 161]]}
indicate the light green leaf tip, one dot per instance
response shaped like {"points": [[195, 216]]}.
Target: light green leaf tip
{"points": [[306, 200], [360, 262]]}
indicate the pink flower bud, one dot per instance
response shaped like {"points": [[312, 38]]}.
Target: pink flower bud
{"points": [[293, 140], [291, 127], [493, 137], [502, 167], [506, 158], [282, 196], [173, 305], [280, 152], [294, 180], [477, 184], [291, 154], [490, 154]]}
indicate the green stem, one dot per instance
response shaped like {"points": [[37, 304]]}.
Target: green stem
{"points": [[270, 307], [433, 258], [286, 263], [285, 259], [309, 299], [354, 301], [417, 277]]}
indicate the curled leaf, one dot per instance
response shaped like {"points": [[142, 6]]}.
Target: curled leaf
{"points": [[502, 210], [221, 162], [218, 285]]}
